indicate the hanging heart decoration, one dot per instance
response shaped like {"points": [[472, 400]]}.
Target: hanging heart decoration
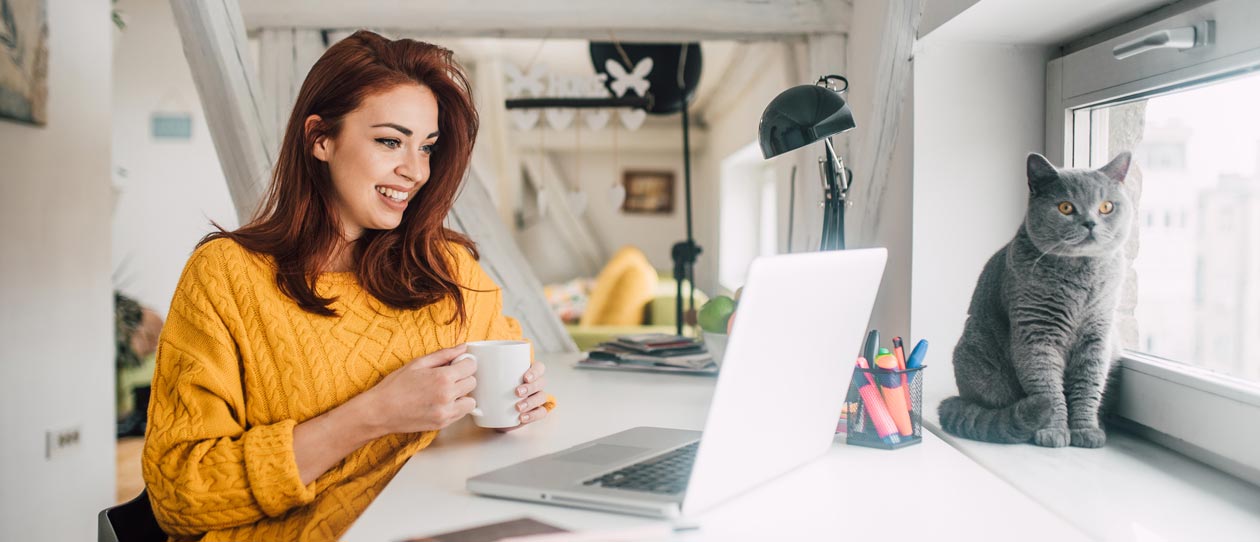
{"points": [[632, 119], [596, 119]]}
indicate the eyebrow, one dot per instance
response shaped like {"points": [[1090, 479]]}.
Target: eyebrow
{"points": [[405, 131]]}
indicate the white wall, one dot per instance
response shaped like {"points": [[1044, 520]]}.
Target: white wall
{"points": [[654, 234], [56, 328], [979, 112], [172, 189], [730, 131]]}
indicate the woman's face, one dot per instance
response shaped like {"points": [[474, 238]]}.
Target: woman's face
{"points": [[380, 158]]}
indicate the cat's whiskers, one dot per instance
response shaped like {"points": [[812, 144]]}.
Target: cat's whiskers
{"points": [[1047, 251]]}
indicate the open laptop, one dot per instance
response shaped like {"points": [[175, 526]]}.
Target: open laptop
{"points": [[801, 321]]}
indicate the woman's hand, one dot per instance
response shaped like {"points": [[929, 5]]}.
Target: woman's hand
{"points": [[532, 396], [426, 394]]}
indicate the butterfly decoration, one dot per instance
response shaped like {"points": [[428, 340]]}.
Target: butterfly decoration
{"points": [[636, 79], [525, 84]]}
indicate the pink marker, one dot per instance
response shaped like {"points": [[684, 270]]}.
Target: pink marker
{"points": [[884, 424]]}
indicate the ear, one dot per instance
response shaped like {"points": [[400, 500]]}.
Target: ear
{"points": [[1040, 173], [320, 149], [1118, 167]]}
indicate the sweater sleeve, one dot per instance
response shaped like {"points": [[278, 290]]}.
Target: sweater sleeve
{"points": [[205, 467], [484, 300]]}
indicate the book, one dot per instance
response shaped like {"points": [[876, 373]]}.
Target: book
{"points": [[614, 365], [694, 359]]}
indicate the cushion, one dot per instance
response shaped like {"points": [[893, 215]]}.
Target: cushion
{"points": [[624, 286]]}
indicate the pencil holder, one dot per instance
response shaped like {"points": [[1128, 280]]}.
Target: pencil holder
{"points": [[888, 408]]}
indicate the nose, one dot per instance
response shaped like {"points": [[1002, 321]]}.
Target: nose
{"points": [[1089, 225], [415, 168]]}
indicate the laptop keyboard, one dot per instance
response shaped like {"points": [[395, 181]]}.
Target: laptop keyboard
{"points": [[667, 473]]}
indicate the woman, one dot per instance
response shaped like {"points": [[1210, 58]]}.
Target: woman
{"points": [[308, 354]]}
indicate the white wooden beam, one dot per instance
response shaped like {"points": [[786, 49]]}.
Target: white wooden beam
{"points": [[575, 231], [218, 54], [285, 57], [874, 153], [665, 139], [643, 20], [475, 216]]}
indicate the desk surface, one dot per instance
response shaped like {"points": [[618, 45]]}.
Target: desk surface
{"points": [[924, 492]]}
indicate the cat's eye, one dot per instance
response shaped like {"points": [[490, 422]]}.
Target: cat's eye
{"points": [[1106, 208], [1066, 208]]}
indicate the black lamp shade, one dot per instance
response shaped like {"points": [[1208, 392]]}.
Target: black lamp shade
{"points": [[802, 115]]}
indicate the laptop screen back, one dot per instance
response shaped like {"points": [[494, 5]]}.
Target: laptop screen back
{"points": [[797, 331]]}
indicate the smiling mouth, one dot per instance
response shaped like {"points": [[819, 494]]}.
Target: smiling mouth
{"points": [[394, 195]]}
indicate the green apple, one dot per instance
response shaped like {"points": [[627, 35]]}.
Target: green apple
{"points": [[715, 313]]}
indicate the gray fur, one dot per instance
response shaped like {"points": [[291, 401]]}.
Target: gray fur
{"points": [[1036, 350]]}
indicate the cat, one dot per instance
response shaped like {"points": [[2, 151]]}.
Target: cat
{"points": [[1036, 350]]}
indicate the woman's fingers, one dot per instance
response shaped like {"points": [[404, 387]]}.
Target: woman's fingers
{"points": [[532, 402], [533, 415], [531, 388], [535, 371]]}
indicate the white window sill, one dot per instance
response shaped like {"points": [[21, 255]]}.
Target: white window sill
{"points": [[1131, 489]]}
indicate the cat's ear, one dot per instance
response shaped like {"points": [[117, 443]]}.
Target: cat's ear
{"points": [[1118, 167], [1040, 173]]}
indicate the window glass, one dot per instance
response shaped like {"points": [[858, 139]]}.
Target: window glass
{"points": [[1197, 163]]}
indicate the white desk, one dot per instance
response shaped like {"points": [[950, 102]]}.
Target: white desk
{"points": [[926, 492]]}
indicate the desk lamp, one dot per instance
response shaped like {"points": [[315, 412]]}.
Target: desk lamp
{"points": [[803, 115]]}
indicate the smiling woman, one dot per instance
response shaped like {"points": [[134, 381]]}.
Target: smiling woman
{"points": [[310, 353]]}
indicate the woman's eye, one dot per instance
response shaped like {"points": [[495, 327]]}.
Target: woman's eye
{"points": [[1107, 207], [1066, 208], [389, 142], [428, 149]]}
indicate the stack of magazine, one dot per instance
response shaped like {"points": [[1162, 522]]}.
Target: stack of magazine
{"points": [[655, 352]]}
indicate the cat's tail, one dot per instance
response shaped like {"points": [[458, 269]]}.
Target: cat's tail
{"points": [[1011, 424]]}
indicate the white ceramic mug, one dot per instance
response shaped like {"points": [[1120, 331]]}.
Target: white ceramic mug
{"points": [[501, 367]]}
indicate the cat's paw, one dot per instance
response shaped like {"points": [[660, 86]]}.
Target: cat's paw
{"points": [[1056, 437], [1089, 437]]}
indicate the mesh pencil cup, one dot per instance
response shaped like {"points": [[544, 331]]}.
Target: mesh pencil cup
{"points": [[889, 407]]}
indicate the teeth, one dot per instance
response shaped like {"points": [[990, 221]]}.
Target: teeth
{"points": [[392, 194]]}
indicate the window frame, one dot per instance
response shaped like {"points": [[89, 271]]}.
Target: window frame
{"points": [[1210, 417]]}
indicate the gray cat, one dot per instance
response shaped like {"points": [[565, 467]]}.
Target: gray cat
{"points": [[1036, 350]]}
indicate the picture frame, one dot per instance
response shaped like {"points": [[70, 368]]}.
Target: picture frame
{"points": [[648, 192], [24, 61]]}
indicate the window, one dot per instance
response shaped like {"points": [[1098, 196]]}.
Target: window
{"points": [[1192, 323]]}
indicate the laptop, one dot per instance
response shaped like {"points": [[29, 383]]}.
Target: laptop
{"points": [[799, 328]]}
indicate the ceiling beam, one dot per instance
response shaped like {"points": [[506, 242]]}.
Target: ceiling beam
{"points": [[643, 20]]}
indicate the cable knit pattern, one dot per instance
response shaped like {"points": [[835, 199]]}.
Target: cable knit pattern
{"points": [[239, 365]]}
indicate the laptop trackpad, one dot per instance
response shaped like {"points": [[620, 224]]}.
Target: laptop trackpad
{"points": [[602, 454]]}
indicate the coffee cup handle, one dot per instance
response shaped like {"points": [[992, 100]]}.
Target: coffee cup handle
{"points": [[476, 412]]}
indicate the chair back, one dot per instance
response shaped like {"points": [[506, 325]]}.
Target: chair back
{"points": [[132, 521]]}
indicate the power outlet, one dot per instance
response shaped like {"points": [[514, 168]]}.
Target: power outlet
{"points": [[59, 442]]}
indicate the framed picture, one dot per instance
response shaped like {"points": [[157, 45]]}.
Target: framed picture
{"points": [[24, 60], [648, 192]]}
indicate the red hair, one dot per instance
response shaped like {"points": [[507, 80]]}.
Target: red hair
{"points": [[410, 266]]}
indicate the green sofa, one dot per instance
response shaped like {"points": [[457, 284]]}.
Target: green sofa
{"points": [[658, 317]]}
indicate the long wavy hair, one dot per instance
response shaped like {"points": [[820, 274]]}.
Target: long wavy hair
{"points": [[407, 267]]}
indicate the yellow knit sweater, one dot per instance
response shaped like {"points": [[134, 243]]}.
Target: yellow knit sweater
{"points": [[240, 364]]}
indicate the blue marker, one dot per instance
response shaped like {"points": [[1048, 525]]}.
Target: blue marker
{"points": [[917, 355], [915, 360]]}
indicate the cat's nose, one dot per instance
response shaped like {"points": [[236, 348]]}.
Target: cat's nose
{"points": [[1089, 225]]}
